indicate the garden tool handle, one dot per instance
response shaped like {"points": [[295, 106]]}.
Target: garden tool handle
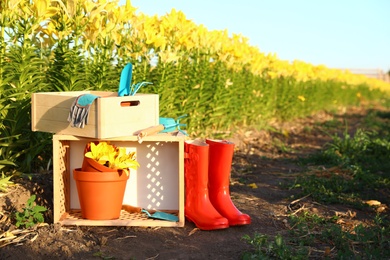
{"points": [[134, 209], [131, 209], [151, 130]]}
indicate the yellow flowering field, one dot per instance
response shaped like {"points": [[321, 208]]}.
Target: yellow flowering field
{"points": [[219, 79]]}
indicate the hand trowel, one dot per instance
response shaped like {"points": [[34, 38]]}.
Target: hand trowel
{"points": [[156, 215]]}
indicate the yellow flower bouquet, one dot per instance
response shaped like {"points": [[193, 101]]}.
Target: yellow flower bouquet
{"points": [[110, 156]]}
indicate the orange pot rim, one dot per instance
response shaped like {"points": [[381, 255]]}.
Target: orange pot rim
{"points": [[117, 175]]}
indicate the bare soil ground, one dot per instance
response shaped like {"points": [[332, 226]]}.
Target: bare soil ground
{"points": [[264, 166]]}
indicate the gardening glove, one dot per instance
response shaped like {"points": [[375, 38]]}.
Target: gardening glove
{"points": [[78, 115]]}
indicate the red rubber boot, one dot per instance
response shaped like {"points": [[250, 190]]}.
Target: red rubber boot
{"points": [[198, 207], [220, 161]]}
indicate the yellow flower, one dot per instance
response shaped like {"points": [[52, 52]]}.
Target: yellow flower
{"points": [[43, 10], [228, 83], [111, 156], [168, 55], [153, 36]]}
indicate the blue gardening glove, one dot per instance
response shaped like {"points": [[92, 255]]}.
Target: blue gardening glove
{"points": [[78, 115]]}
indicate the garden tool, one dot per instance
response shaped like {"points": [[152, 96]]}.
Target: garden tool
{"points": [[125, 80], [78, 115], [156, 215], [161, 215], [166, 125], [198, 207], [220, 160], [125, 87], [170, 124]]}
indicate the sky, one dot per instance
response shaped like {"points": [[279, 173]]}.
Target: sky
{"points": [[343, 34]]}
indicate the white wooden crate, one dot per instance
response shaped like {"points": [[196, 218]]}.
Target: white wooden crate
{"points": [[109, 116], [158, 184]]}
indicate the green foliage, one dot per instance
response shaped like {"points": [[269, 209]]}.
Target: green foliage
{"points": [[22, 74], [31, 214], [65, 72], [263, 248], [328, 239], [357, 165], [363, 242], [5, 182], [378, 122], [364, 149]]}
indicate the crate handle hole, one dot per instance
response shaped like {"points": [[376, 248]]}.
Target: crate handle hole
{"points": [[130, 103]]}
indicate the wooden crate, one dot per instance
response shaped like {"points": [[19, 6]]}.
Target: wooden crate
{"points": [[109, 116], [157, 185]]}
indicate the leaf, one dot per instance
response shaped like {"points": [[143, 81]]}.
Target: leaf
{"points": [[31, 200], [252, 185], [373, 203], [38, 217], [193, 231], [5, 183], [39, 209]]}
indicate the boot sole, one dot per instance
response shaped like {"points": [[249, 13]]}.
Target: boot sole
{"points": [[216, 227]]}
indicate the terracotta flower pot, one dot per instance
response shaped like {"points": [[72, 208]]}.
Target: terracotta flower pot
{"points": [[100, 193], [90, 165]]}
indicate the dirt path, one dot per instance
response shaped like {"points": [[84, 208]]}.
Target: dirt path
{"points": [[262, 171]]}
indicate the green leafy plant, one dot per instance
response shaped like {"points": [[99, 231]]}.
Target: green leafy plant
{"points": [[350, 164], [313, 236], [368, 241], [31, 214], [5, 182], [263, 248]]}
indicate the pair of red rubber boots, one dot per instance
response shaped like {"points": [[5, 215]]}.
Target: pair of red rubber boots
{"points": [[207, 179]]}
